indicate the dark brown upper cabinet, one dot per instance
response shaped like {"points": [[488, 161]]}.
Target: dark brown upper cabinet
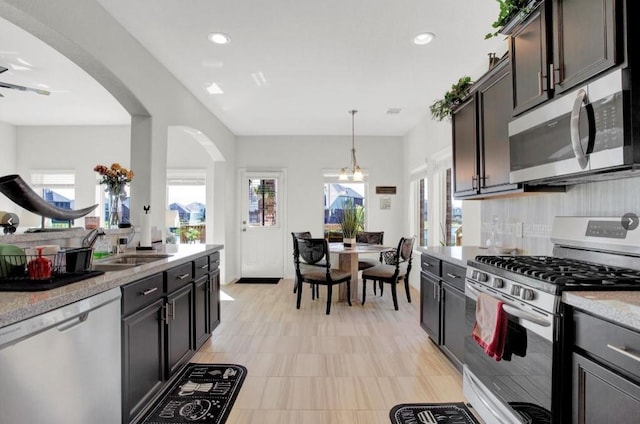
{"points": [[529, 50], [494, 110], [561, 44], [465, 149], [481, 138], [585, 44]]}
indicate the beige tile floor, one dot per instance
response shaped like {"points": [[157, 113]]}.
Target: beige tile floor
{"points": [[306, 367]]}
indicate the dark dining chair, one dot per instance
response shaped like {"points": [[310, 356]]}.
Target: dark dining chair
{"points": [[368, 237], [311, 257], [294, 236], [396, 268]]}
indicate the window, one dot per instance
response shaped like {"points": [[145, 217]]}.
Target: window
{"points": [[187, 198], [337, 196], [453, 215], [423, 214], [58, 189]]}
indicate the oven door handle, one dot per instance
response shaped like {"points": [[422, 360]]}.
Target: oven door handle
{"points": [[472, 290], [512, 310], [518, 313]]}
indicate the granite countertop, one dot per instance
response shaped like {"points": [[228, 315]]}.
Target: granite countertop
{"points": [[622, 307], [17, 306], [458, 255]]}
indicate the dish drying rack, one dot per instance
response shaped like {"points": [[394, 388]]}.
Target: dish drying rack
{"points": [[63, 263]]}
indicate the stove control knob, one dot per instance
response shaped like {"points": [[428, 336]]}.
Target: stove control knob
{"points": [[474, 274], [527, 294], [482, 277], [515, 290], [498, 283]]}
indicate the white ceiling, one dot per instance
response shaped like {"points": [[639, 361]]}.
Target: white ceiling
{"points": [[319, 59]]}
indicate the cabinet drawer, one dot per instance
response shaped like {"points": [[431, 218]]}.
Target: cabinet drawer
{"points": [[431, 264], [214, 261], [453, 275], [611, 342], [141, 293], [178, 276], [200, 267]]}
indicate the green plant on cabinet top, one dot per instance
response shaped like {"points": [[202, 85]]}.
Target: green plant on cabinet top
{"points": [[442, 108], [509, 10]]}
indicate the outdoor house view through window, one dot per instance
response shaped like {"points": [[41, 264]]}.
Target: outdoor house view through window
{"points": [[187, 213], [57, 189], [337, 197]]}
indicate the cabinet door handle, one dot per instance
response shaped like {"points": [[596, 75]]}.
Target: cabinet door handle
{"points": [[450, 275], [183, 276], [164, 314], [541, 88], [623, 351], [552, 76], [204, 267], [474, 180], [148, 292], [173, 310]]}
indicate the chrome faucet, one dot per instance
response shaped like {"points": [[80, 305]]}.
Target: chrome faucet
{"points": [[90, 239]]}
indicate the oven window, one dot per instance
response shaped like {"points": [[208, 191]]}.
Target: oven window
{"points": [[523, 378]]}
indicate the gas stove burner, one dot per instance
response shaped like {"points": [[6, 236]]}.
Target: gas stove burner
{"points": [[566, 273]]}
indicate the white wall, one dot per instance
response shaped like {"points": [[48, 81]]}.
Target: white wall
{"points": [[306, 157], [8, 164], [154, 98]]}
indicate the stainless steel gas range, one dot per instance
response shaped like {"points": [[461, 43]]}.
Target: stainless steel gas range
{"points": [[589, 253]]}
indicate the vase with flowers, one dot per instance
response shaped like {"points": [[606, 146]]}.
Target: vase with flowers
{"points": [[115, 179]]}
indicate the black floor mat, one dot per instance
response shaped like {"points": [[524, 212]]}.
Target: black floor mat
{"points": [[258, 281], [201, 393], [436, 413]]}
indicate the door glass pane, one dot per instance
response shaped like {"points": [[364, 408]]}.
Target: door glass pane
{"points": [[263, 202]]}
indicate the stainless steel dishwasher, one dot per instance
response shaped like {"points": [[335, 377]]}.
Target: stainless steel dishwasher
{"points": [[63, 366]]}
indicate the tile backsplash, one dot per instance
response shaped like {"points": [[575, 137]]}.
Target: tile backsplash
{"points": [[536, 211]]}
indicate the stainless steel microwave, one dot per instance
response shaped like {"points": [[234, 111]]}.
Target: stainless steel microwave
{"points": [[585, 135]]}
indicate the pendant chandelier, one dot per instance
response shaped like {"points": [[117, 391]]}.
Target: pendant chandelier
{"points": [[353, 170]]}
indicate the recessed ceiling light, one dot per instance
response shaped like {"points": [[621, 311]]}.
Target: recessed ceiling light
{"points": [[423, 38], [214, 88], [219, 38]]}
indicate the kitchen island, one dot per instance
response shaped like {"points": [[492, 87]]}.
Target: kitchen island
{"points": [[162, 306], [17, 306]]}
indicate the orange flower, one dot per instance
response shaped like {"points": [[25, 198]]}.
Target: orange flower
{"points": [[115, 177]]}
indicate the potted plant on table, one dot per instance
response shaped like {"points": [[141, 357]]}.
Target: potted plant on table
{"points": [[351, 222]]}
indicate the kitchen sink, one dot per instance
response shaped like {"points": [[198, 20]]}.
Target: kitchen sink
{"points": [[122, 262]]}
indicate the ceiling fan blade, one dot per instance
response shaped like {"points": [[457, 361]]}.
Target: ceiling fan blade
{"points": [[23, 88], [2, 69]]}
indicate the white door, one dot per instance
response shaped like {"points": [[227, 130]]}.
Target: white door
{"points": [[262, 229]]}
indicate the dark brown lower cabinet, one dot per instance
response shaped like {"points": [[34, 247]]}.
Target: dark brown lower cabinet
{"points": [[430, 306], [602, 396], [605, 370], [213, 312], [201, 301], [180, 345], [453, 327], [143, 336], [166, 317]]}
